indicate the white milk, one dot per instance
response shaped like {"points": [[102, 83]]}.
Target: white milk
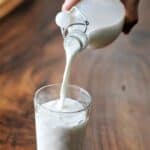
{"points": [[61, 131], [56, 127], [72, 47]]}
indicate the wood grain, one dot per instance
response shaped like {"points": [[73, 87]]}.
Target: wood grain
{"points": [[7, 6], [118, 78]]}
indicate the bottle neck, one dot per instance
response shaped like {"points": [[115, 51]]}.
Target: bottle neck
{"points": [[76, 39]]}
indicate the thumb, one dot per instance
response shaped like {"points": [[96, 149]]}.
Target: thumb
{"points": [[68, 4]]}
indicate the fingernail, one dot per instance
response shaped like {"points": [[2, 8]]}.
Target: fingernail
{"points": [[65, 6]]}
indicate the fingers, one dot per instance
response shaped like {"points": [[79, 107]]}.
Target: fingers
{"points": [[129, 24], [68, 4], [131, 14]]}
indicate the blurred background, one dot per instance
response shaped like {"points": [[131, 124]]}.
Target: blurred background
{"points": [[117, 77]]}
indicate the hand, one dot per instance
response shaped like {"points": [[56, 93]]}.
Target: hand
{"points": [[131, 12]]}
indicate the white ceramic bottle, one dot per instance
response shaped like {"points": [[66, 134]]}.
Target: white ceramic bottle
{"points": [[95, 23]]}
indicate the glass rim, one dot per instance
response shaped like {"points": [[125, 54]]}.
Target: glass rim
{"points": [[57, 85]]}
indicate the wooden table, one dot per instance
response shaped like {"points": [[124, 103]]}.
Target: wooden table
{"points": [[118, 78]]}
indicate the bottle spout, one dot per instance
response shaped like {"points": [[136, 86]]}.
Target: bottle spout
{"points": [[75, 40]]}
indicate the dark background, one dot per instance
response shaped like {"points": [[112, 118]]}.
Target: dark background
{"points": [[117, 77]]}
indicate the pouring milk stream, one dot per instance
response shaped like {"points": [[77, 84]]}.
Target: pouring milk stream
{"points": [[92, 23]]}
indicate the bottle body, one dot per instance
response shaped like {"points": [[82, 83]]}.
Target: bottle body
{"points": [[105, 20]]}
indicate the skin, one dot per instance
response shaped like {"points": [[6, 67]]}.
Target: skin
{"points": [[131, 7]]}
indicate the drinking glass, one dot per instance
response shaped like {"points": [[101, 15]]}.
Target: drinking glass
{"points": [[58, 130]]}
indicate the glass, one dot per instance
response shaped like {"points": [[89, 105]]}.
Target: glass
{"points": [[57, 130]]}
